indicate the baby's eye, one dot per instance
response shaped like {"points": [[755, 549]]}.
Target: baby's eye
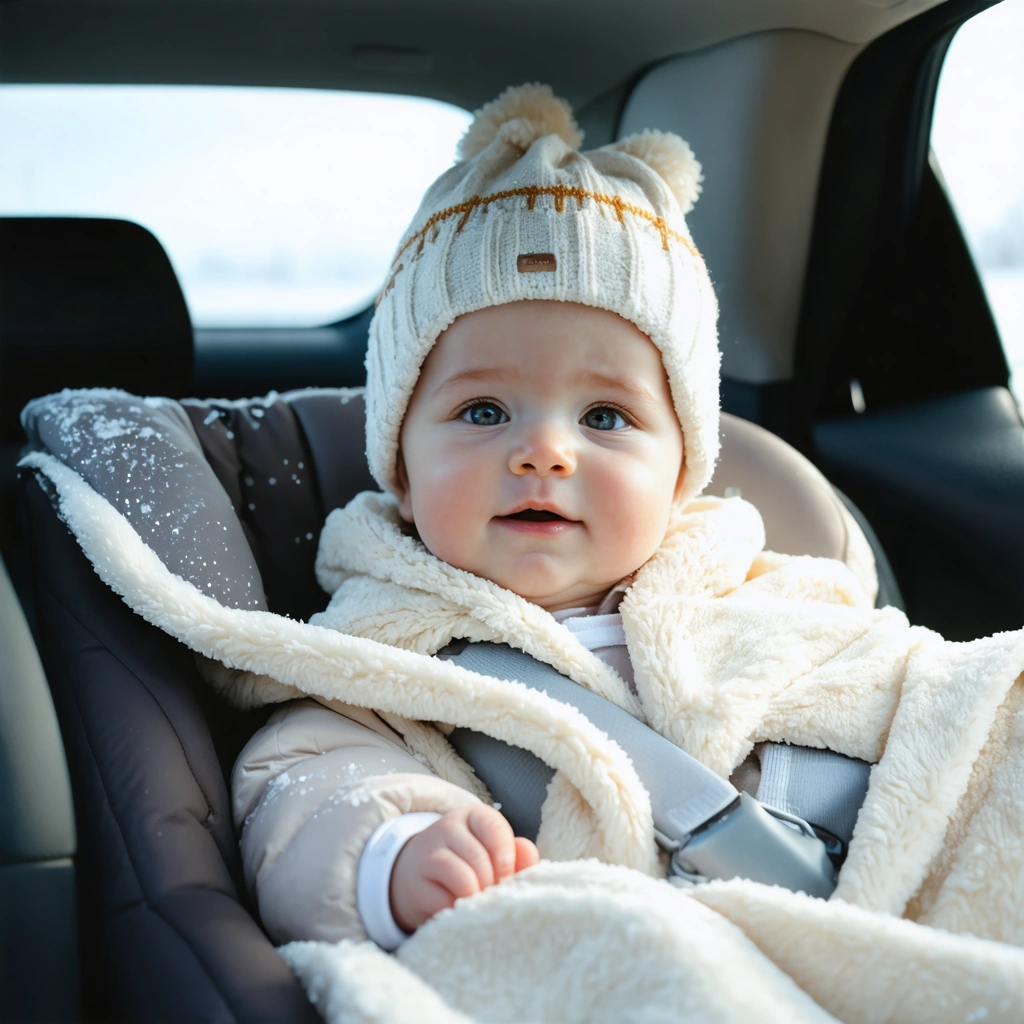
{"points": [[484, 414], [603, 417]]}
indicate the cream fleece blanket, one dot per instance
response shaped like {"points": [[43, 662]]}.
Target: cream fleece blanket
{"points": [[731, 646]]}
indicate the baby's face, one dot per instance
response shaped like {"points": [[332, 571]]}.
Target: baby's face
{"points": [[541, 450]]}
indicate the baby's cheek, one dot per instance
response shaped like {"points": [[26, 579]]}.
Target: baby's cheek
{"points": [[634, 509], [448, 510]]}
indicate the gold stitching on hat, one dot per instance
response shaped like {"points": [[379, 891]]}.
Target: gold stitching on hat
{"points": [[531, 192], [390, 284]]}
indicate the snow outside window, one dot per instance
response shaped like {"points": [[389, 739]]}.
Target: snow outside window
{"points": [[978, 140], [277, 207]]}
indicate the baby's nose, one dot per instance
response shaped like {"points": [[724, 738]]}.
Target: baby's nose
{"points": [[544, 451]]}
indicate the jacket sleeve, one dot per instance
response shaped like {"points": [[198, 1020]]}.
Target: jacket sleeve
{"points": [[307, 791]]}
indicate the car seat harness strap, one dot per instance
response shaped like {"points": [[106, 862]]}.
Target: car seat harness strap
{"points": [[709, 828]]}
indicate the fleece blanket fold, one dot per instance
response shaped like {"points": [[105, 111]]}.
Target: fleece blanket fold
{"points": [[731, 646]]}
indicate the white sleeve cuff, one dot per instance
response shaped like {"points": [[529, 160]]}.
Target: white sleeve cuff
{"points": [[373, 876]]}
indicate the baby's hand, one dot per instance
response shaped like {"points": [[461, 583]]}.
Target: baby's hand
{"points": [[469, 849]]}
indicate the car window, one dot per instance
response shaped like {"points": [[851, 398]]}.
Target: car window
{"points": [[978, 141], [277, 207]]}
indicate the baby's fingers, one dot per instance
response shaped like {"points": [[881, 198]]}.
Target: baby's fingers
{"points": [[495, 834], [447, 868], [526, 854], [431, 898], [463, 843]]}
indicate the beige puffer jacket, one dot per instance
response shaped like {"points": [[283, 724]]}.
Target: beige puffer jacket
{"points": [[307, 791]]}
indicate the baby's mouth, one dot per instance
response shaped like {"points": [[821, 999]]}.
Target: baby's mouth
{"points": [[538, 522], [536, 515]]}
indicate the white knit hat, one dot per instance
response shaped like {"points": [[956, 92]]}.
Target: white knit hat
{"points": [[524, 215]]}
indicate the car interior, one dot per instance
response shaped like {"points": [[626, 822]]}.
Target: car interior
{"points": [[864, 382]]}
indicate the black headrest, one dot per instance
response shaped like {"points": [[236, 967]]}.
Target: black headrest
{"points": [[86, 303]]}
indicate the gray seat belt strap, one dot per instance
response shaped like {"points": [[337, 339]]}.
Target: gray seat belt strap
{"points": [[711, 829], [820, 786], [517, 779], [684, 792]]}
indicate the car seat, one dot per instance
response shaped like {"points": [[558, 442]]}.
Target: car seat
{"points": [[167, 929]]}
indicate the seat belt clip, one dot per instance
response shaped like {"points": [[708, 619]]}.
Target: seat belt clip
{"points": [[749, 841]]}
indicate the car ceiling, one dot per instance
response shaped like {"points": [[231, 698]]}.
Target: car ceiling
{"points": [[462, 51]]}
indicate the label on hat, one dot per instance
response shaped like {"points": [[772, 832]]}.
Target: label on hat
{"points": [[532, 262]]}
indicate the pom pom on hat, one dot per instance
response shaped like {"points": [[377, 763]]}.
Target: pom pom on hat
{"points": [[671, 158], [520, 115]]}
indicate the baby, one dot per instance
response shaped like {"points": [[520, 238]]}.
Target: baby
{"points": [[540, 451], [542, 399]]}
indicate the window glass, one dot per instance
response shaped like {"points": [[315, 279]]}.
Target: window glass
{"points": [[978, 139], [277, 207]]}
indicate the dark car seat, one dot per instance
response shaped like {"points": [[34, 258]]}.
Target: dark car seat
{"points": [[38, 933], [167, 929]]}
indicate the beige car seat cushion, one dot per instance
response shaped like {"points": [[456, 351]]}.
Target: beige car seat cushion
{"points": [[801, 511]]}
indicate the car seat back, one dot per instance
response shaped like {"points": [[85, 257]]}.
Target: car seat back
{"points": [[170, 928]]}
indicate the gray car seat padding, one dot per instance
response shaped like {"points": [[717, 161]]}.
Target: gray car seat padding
{"points": [[144, 458], [227, 493], [252, 466], [167, 931], [285, 461]]}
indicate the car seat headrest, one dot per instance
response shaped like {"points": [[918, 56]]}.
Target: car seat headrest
{"points": [[143, 456], [269, 468], [87, 302]]}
